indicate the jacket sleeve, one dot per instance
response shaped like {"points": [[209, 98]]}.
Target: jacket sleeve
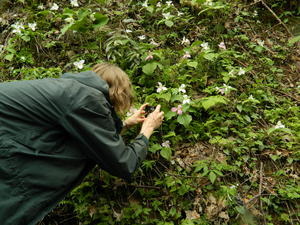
{"points": [[92, 124]]}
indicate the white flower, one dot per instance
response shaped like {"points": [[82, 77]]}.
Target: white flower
{"points": [[41, 7], [74, 3], [69, 20], [255, 13], [222, 45], [161, 88], [142, 37], [279, 125], [251, 97], [186, 99], [260, 42], [79, 64], [17, 28], [169, 3], [23, 58], [186, 55], [180, 13], [231, 72], [182, 88], [166, 144], [224, 89], [167, 15], [158, 5], [54, 7], [154, 43], [128, 31], [145, 4], [205, 46], [1, 48], [185, 41], [241, 72], [208, 3], [32, 26]]}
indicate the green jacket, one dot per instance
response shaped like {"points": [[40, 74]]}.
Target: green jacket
{"points": [[52, 132]]}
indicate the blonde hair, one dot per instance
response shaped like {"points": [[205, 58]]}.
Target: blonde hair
{"points": [[120, 88]]}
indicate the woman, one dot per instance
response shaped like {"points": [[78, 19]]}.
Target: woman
{"points": [[53, 131]]}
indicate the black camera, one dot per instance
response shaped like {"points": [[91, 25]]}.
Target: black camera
{"points": [[149, 109]]}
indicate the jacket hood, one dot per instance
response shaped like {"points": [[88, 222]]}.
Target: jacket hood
{"points": [[89, 78]]}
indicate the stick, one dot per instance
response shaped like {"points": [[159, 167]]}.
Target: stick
{"points": [[274, 14]]}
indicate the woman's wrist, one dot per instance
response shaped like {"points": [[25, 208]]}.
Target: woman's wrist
{"points": [[147, 131]]}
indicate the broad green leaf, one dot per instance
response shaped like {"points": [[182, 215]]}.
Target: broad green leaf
{"points": [[166, 153], [169, 115], [210, 56], [294, 40], [169, 23], [9, 57], [184, 119], [165, 96], [149, 68], [101, 20], [154, 148], [211, 101], [212, 177], [192, 64]]}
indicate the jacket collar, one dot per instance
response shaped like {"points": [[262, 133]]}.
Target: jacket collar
{"points": [[91, 79]]}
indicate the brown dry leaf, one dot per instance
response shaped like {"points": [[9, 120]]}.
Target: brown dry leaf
{"points": [[212, 199], [211, 211], [92, 210], [224, 215], [192, 215]]}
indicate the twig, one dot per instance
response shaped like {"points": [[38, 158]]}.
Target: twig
{"points": [[274, 14], [285, 94], [137, 186], [260, 190]]}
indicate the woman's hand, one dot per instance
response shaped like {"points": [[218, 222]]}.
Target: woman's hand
{"points": [[152, 122], [137, 117]]}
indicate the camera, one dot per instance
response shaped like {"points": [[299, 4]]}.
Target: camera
{"points": [[149, 109]]}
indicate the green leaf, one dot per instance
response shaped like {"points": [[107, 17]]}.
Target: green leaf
{"points": [[154, 148], [212, 177], [169, 115], [169, 23], [210, 56], [9, 57], [149, 68], [192, 64], [166, 153], [211, 101], [100, 21], [184, 119], [165, 96], [294, 40]]}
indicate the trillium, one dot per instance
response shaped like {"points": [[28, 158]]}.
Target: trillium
{"points": [[279, 125], [158, 5], [69, 20], [1, 48], [128, 31], [167, 15], [142, 37], [154, 43], [149, 57], [79, 64], [161, 88], [251, 97], [74, 3], [17, 28], [32, 26], [131, 111], [260, 42], [54, 7], [185, 41], [177, 109], [169, 3], [223, 89], [41, 7], [166, 144], [186, 55], [205, 46], [180, 13], [145, 4], [222, 45], [182, 88], [186, 100], [241, 72]]}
